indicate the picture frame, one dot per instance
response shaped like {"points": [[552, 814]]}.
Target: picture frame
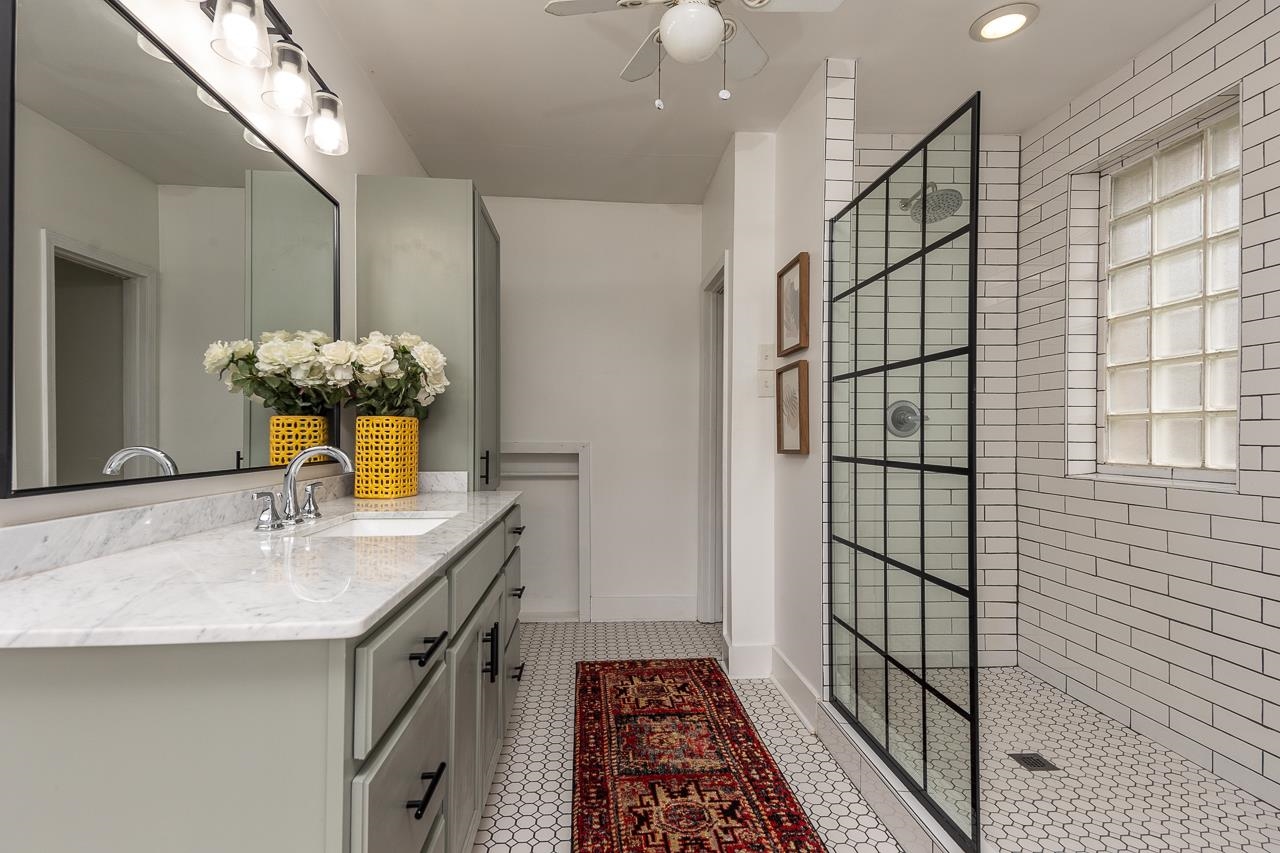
{"points": [[792, 403], [793, 306]]}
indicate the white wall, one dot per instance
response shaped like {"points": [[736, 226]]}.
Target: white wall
{"points": [[377, 147], [122, 219], [801, 225], [600, 344], [202, 274]]}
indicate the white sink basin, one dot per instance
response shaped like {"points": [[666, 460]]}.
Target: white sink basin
{"points": [[367, 527]]}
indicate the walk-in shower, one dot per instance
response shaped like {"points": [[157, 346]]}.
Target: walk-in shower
{"points": [[900, 451]]}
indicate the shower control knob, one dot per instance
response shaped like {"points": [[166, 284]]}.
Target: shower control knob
{"points": [[903, 418]]}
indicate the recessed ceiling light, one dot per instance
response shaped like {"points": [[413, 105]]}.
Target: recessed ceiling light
{"points": [[1003, 22]]}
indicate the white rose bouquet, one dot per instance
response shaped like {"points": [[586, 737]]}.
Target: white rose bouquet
{"points": [[292, 373], [400, 375]]}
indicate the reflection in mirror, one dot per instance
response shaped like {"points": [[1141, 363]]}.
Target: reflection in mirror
{"points": [[144, 228]]}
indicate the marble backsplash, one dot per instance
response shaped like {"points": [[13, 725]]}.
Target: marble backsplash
{"points": [[26, 549]]}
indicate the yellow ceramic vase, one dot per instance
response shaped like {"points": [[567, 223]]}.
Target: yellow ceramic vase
{"points": [[291, 434], [386, 456]]}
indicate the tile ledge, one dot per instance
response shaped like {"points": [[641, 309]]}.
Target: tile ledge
{"points": [[1161, 482]]}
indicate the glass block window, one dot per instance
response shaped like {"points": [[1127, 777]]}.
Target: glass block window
{"points": [[1173, 305]]}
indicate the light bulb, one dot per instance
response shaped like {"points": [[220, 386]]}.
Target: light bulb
{"points": [[1005, 25], [327, 126], [149, 48], [691, 31], [285, 88], [240, 33]]}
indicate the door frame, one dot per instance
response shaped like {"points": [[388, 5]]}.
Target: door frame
{"points": [[713, 491], [140, 369], [583, 451]]}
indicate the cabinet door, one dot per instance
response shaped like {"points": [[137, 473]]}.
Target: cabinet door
{"points": [[488, 333], [513, 666], [492, 720], [465, 660]]}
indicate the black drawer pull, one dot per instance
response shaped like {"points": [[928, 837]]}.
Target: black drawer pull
{"points": [[518, 672], [435, 644], [420, 806], [519, 531], [518, 592], [491, 668]]}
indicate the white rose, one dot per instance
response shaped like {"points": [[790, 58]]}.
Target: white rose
{"points": [[340, 375], [408, 339], [338, 352], [428, 357], [272, 357], [392, 369], [372, 355], [425, 397], [436, 381], [369, 378], [271, 337], [242, 349], [377, 338], [218, 356], [299, 353], [315, 336], [307, 374]]}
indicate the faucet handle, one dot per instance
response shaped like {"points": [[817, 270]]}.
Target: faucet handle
{"points": [[268, 519], [310, 508]]}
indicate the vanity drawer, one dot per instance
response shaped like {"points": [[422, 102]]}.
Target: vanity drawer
{"points": [[470, 577], [393, 808], [515, 529], [391, 664], [515, 594]]}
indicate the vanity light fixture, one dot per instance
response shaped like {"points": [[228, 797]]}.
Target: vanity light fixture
{"points": [[327, 126], [1003, 22], [286, 87], [240, 33]]}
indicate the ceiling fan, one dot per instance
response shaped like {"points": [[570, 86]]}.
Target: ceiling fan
{"points": [[692, 31]]}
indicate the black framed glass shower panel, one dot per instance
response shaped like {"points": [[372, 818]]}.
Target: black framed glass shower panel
{"points": [[902, 316]]}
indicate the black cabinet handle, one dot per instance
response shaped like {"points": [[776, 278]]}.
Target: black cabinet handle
{"points": [[420, 806], [518, 672], [434, 646], [491, 668], [519, 531], [518, 592], [485, 475]]}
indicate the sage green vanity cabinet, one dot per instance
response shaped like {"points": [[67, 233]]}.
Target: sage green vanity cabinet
{"points": [[383, 743]]}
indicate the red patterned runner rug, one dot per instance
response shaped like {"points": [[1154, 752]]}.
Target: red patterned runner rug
{"points": [[666, 761]]}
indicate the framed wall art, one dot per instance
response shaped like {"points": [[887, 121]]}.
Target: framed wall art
{"points": [[793, 306], [792, 399]]}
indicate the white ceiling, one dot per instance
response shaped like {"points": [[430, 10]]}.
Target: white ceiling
{"points": [[528, 104]]}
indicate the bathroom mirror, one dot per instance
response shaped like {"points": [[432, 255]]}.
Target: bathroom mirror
{"points": [[144, 226]]}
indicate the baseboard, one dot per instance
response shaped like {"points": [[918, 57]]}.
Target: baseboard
{"points": [[750, 661], [796, 688], [644, 608], [549, 616]]}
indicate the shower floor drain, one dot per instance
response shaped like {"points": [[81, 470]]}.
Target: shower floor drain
{"points": [[1033, 761]]}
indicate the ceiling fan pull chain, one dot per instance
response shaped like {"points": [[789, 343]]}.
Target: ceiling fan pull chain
{"points": [[658, 103], [724, 66]]}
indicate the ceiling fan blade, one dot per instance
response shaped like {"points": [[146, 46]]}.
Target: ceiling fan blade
{"points": [[793, 5], [645, 60], [744, 57], [581, 7]]}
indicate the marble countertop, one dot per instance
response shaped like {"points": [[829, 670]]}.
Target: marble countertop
{"points": [[233, 584]]}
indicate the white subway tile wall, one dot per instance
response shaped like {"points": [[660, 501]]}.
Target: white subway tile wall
{"points": [[1157, 604]]}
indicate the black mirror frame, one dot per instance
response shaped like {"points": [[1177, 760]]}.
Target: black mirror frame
{"points": [[8, 35]]}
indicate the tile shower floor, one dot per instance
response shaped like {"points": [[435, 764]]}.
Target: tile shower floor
{"points": [[528, 810], [1117, 791]]}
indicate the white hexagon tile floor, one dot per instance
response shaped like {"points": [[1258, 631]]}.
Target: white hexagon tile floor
{"points": [[528, 810], [1118, 790]]}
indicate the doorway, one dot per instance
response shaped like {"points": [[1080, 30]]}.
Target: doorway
{"points": [[714, 449]]}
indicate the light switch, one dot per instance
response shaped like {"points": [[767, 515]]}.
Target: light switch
{"points": [[767, 359], [765, 380]]}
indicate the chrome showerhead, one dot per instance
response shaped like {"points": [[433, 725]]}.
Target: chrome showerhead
{"points": [[932, 204]]}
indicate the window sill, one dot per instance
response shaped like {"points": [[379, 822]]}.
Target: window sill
{"points": [[1166, 481]]}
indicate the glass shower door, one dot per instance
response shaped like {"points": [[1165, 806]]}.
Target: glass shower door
{"points": [[903, 652]]}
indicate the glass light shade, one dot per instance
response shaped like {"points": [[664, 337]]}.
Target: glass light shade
{"points": [[240, 33], [256, 141], [209, 100], [327, 126], [286, 87], [1003, 26], [691, 31], [148, 47]]}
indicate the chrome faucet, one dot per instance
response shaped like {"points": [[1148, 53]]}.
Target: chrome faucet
{"points": [[289, 513], [164, 460]]}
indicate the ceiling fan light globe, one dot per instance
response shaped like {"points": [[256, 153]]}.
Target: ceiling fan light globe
{"points": [[691, 31]]}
